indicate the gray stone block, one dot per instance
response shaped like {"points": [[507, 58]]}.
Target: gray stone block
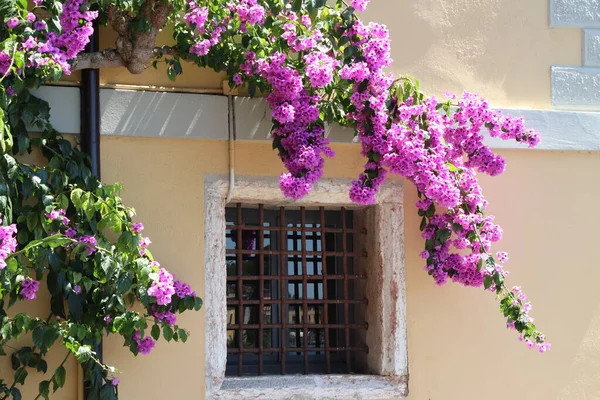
{"points": [[591, 47], [575, 13], [576, 88]]}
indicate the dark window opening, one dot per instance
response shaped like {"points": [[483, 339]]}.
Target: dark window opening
{"points": [[295, 301]]}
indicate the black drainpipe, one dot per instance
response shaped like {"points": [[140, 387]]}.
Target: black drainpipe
{"points": [[90, 134]]}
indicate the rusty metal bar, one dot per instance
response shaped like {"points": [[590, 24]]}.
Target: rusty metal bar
{"points": [[304, 288], [297, 229], [293, 252], [240, 290], [299, 326], [261, 288], [294, 349], [312, 277], [298, 301], [283, 294], [346, 294], [325, 298]]}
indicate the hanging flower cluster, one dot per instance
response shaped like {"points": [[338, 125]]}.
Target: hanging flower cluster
{"points": [[42, 47], [317, 64], [437, 145]]}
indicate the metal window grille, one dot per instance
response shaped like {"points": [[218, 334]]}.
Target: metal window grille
{"points": [[292, 291]]}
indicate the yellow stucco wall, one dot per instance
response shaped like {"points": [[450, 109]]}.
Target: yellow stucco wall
{"points": [[458, 348]]}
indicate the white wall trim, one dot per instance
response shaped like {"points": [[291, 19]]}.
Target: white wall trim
{"points": [[200, 116], [386, 337]]}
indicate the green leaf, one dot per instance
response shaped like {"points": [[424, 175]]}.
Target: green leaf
{"points": [[108, 392], [451, 167], [21, 375], [15, 362], [83, 354], [44, 337], [41, 366], [197, 303], [183, 335], [490, 264], [76, 197], [171, 73], [167, 333], [16, 393], [76, 306], [6, 330], [60, 374], [487, 282], [44, 389], [124, 283], [443, 235], [32, 221], [498, 279], [155, 332], [86, 199], [63, 201]]}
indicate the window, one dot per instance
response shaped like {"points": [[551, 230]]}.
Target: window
{"points": [[295, 292], [274, 268]]}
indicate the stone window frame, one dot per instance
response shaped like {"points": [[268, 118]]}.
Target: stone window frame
{"points": [[386, 337]]}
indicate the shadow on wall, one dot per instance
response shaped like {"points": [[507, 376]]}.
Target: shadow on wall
{"points": [[163, 114]]}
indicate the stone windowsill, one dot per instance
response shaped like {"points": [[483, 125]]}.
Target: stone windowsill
{"points": [[322, 387]]}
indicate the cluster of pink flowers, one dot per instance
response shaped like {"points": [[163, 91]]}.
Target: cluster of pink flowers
{"points": [[8, 242], [144, 345], [44, 47], [166, 316], [29, 288], [295, 111], [371, 91], [249, 12], [360, 5], [60, 215], [196, 17], [89, 242], [183, 290], [304, 42], [519, 299], [5, 62], [320, 68], [441, 156], [144, 243], [162, 288], [165, 286]]}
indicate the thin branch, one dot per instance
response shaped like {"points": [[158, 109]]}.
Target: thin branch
{"points": [[54, 374], [162, 51]]}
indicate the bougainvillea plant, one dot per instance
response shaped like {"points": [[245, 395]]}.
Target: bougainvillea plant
{"points": [[318, 64]]}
